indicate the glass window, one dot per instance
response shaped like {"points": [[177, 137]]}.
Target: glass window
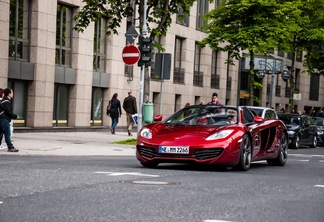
{"points": [[214, 82], [97, 106], [182, 19], [314, 87], [61, 102], [202, 9], [179, 72], [198, 75], [100, 45], [63, 55], [19, 29], [19, 101]]}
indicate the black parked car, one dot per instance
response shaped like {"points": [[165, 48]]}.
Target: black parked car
{"points": [[301, 129], [319, 122]]}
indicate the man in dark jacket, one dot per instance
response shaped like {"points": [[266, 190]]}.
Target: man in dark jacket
{"points": [[6, 114], [130, 108]]}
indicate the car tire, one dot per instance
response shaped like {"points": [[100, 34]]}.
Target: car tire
{"points": [[314, 142], [282, 153], [295, 144], [150, 164], [245, 154]]}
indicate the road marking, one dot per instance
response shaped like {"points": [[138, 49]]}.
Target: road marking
{"points": [[305, 155], [321, 186], [322, 161], [1, 202], [126, 173], [151, 182], [299, 160], [218, 221]]}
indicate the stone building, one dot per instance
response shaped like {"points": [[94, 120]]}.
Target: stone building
{"points": [[64, 78]]}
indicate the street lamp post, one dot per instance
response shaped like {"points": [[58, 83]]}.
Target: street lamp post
{"points": [[275, 66]]}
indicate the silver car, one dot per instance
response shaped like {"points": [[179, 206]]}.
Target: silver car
{"points": [[264, 112]]}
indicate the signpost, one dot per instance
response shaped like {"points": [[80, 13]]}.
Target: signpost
{"points": [[130, 55]]}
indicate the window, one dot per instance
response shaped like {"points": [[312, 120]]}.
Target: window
{"points": [[214, 81], [217, 3], [198, 75], [278, 91], [19, 30], [177, 102], [61, 104], [129, 70], [297, 79], [97, 106], [202, 9], [299, 57], [182, 19], [99, 45], [63, 55], [314, 86], [179, 72]]}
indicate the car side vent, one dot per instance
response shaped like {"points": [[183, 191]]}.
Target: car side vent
{"points": [[203, 154]]}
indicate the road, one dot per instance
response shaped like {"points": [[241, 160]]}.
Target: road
{"points": [[118, 188]]}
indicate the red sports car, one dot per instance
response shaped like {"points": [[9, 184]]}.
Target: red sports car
{"points": [[213, 135]]}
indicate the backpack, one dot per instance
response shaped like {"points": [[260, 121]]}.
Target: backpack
{"points": [[108, 107]]}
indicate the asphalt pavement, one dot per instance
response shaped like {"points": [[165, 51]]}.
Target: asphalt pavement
{"points": [[71, 144]]}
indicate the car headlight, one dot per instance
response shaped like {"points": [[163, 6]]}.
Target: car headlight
{"points": [[320, 132], [146, 133], [291, 133], [220, 135]]}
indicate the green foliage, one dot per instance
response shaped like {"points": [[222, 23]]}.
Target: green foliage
{"points": [[257, 85], [126, 142], [243, 25], [257, 100], [158, 13]]}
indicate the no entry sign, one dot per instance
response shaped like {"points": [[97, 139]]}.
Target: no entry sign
{"points": [[130, 55]]}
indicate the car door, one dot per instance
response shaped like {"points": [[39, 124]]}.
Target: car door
{"points": [[305, 134]]}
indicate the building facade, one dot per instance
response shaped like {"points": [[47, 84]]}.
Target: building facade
{"points": [[64, 78]]}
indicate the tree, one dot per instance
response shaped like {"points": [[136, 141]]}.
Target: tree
{"points": [[158, 13], [260, 25], [238, 25], [304, 32]]}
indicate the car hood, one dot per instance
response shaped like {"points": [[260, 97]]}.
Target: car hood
{"points": [[164, 133]]}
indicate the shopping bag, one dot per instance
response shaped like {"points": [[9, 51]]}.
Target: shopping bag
{"points": [[135, 118]]}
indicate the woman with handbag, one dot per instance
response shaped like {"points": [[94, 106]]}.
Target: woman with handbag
{"points": [[115, 112]]}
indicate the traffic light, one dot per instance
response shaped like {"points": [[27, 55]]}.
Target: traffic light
{"points": [[145, 48]]}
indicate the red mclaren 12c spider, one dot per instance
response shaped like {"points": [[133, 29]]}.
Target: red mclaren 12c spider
{"points": [[213, 135]]}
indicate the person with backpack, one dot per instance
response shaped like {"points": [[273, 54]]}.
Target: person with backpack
{"points": [[6, 115], [115, 112]]}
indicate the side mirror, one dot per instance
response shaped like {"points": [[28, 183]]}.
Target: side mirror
{"points": [[258, 119], [158, 118]]}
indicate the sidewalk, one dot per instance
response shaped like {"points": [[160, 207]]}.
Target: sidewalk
{"points": [[71, 144]]}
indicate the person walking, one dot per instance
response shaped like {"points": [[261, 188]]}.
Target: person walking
{"points": [[115, 112], [6, 115], [130, 108], [1, 134]]}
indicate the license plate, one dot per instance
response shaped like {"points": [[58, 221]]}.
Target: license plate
{"points": [[174, 149]]}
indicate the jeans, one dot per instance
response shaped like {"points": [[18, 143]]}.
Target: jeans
{"points": [[114, 122], [5, 129]]}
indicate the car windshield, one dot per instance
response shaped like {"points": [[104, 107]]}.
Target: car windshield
{"points": [[257, 111], [203, 115], [290, 119], [319, 121]]}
